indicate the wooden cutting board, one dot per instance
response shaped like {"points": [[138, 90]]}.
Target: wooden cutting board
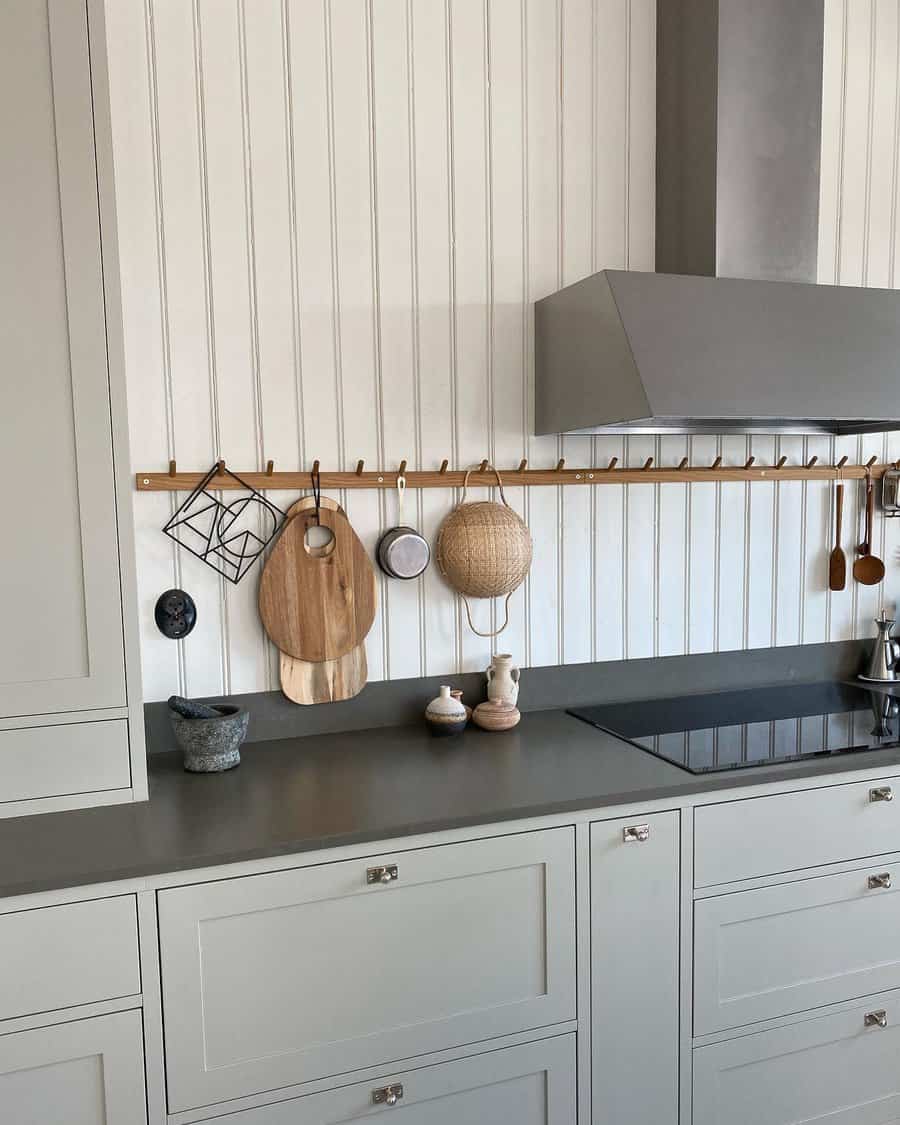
{"points": [[329, 681], [317, 606]]}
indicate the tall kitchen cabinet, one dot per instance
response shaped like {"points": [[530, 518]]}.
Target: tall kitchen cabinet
{"points": [[71, 732]]}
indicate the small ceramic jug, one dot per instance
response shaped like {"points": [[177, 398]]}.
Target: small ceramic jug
{"points": [[503, 679], [445, 715]]}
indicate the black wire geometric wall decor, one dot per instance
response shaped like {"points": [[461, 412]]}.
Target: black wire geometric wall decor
{"points": [[228, 537]]}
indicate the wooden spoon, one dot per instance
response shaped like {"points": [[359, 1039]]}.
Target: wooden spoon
{"points": [[868, 568], [837, 563]]}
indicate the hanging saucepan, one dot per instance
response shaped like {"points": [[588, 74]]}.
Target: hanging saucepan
{"points": [[401, 551]]}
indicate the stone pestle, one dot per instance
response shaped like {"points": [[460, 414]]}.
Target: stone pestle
{"points": [[191, 710]]}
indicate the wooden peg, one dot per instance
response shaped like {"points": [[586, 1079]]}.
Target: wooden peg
{"points": [[843, 461], [172, 468], [402, 468], [220, 466], [270, 468], [682, 464], [523, 465], [648, 463], [612, 464], [359, 467], [811, 462], [560, 464], [715, 464], [782, 461], [896, 465], [315, 468], [749, 462], [481, 468], [444, 465], [871, 462]]}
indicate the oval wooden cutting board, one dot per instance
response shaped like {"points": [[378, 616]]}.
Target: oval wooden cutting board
{"points": [[316, 607], [328, 681]]}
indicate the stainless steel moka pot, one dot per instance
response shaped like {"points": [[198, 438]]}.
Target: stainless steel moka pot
{"points": [[885, 653]]}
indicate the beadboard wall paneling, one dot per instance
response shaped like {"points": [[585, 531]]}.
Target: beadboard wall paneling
{"points": [[335, 218]]}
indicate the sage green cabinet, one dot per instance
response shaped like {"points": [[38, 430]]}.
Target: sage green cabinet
{"points": [[533, 1084], [302, 974], [88, 1072], [65, 569], [635, 895], [843, 1069]]}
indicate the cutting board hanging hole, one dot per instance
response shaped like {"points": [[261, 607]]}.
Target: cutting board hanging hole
{"points": [[319, 541]]}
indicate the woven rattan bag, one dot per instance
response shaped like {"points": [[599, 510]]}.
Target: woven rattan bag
{"points": [[484, 550]]}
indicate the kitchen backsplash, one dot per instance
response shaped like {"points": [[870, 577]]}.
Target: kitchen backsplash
{"points": [[334, 218]]}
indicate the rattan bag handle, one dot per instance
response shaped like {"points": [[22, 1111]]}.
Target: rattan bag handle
{"points": [[496, 632], [496, 473]]}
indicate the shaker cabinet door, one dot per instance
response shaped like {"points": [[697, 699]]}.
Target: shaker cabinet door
{"points": [[62, 644], [278, 979], [634, 970], [89, 1072]]}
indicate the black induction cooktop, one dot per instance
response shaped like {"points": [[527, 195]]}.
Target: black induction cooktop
{"points": [[755, 727]]}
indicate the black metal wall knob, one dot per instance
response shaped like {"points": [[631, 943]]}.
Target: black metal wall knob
{"points": [[175, 614]]}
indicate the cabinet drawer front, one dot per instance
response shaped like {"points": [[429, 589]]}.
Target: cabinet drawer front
{"points": [[59, 760], [276, 979], [88, 1072], [765, 835], [60, 956], [769, 952], [834, 1069], [529, 1085]]}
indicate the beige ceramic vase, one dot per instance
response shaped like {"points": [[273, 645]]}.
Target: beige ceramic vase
{"points": [[503, 679], [498, 715]]}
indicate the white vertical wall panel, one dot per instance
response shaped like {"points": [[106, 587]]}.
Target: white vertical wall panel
{"points": [[336, 216]]}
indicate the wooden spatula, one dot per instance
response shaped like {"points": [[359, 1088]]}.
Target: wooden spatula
{"points": [[868, 568], [328, 681], [837, 562]]}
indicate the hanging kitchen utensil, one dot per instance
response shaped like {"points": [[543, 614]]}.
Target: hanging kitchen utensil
{"points": [[317, 601], [868, 568], [837, 562], [402, 552], [484, 550], [327, 681]]}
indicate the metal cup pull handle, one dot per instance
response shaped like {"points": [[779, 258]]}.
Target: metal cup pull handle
{"points": [[388, 1095], [881, 881], [881, 793], [876, 1019], [387, 873], [636, 833]]}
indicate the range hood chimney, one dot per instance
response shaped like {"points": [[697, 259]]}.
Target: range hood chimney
{"points": [[730, 334]]}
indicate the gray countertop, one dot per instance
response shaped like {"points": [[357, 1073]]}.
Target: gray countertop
{"points": [[301, 794]]}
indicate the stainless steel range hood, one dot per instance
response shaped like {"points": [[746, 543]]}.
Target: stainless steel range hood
{"points": [[732, 334]]}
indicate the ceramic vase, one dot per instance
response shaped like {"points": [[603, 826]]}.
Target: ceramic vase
{"points": [[458, 695], [498, 715], [445, 715], [503, 679]]}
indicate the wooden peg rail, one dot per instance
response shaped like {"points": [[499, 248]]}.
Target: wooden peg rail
{"points": [[481, 477]]}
